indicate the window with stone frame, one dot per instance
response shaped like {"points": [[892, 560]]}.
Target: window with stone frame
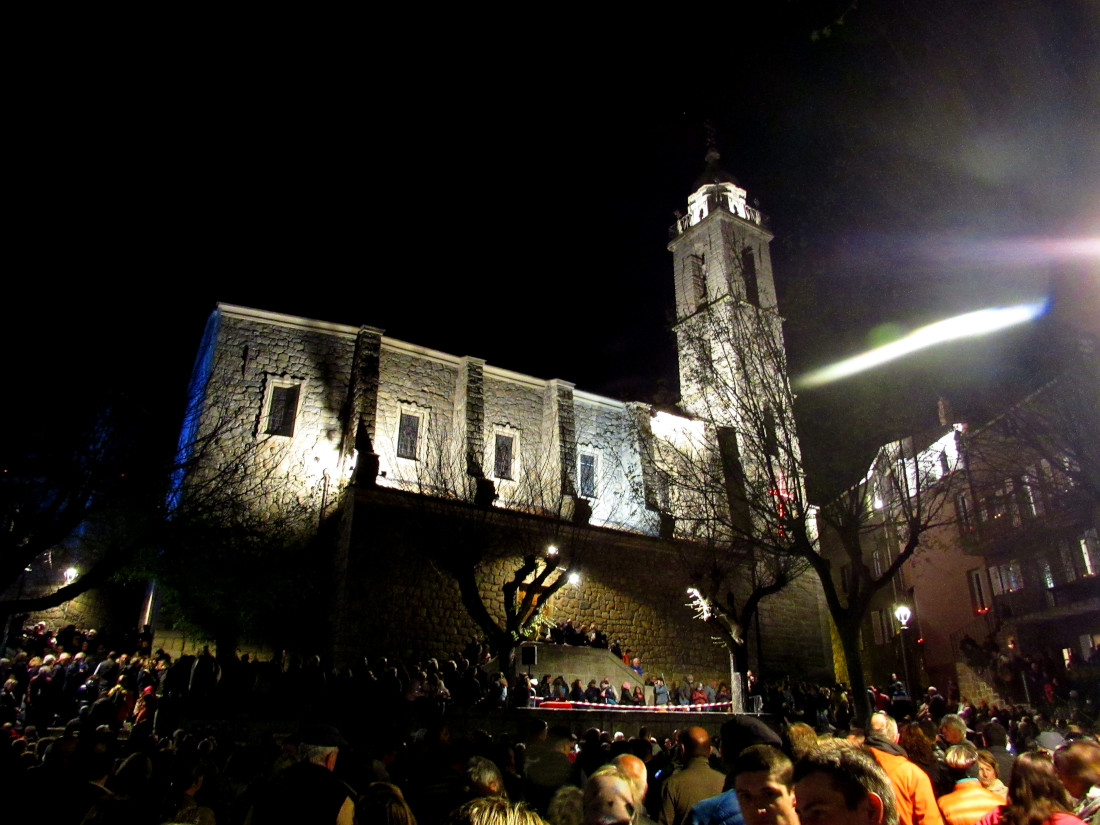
{"points": [[586, 474], [408, 436], [503, 455], [281, 406]]}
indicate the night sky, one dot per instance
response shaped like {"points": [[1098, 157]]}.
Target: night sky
{"points": [[509, 197]]}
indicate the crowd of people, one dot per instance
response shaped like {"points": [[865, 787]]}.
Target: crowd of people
{"points": [[145, 738]]}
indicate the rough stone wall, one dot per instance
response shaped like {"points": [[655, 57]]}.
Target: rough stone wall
{"points": [[609, 432], [399, 603], [250, 355], [426, 386], [794, 632]]}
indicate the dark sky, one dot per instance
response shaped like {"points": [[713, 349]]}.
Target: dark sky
{"points": [[512, 201]]}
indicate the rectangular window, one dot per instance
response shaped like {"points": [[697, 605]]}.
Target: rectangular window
{"points": [[587, 475], [1090, 549], [876, 563], [408, 436], [1033, 499], [881, 626], [282, 409], [1048, 574], [979, 597], [962, 511], [502, 456], [697, 265], [748, 270]]}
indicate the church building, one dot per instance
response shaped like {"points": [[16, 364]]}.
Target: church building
{"points": [[411, 452]]}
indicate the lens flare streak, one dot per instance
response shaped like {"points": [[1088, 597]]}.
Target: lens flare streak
{"points": [[969, 325]]}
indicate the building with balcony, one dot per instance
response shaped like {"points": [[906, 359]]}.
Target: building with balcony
{"points": [[1009, 570]]}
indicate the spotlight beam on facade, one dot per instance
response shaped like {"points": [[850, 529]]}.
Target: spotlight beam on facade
{"points": [[968, 325]]}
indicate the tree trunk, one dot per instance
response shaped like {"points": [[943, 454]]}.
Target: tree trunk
{"points": [[853, 657]]}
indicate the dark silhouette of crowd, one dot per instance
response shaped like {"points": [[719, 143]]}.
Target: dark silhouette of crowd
{"points": [[143, 737]]}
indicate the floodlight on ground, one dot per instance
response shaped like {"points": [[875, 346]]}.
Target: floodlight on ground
{"points": [[70, 575], [551, 550], [574, 578]]}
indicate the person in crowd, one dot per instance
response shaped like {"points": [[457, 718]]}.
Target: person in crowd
{"points": [[840, 784], [639, 696], [660, 692], [626, 694], [576, 692], [738, 734], [801, 738], [914, 799], [918, 748], [694, 782], [309, 791], [609, 798], [592, 693], [1035, 795], [988, 774], [996, 742], [764, 783], [493, 810], [607, 693], [970, 800], [1077, 764], [634, 769], [383, 803]]}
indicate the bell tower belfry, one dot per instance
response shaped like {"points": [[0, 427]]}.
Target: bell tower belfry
{"points": [[727, 323], [729, 336]]}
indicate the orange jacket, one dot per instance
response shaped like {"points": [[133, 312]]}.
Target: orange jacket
{"points": [[968, 803], [912, 788]]}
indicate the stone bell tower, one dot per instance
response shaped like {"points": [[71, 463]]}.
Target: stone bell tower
{"points": [[729, 334]]}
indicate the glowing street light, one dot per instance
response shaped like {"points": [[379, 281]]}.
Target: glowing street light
{"points": [[574, 578], [551, 550], [70, 575], [903, 614]]}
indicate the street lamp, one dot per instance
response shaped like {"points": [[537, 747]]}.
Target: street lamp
{"points": [[903, 614]]}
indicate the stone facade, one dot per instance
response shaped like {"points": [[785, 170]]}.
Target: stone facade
{"points": [[346, 422]]}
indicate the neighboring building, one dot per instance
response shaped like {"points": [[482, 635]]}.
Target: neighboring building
{"points": [[1008, 573], [392, 436]]}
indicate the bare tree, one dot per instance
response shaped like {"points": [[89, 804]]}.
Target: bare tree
{"points": [[530, 523], [730, 474], [903, 498]]}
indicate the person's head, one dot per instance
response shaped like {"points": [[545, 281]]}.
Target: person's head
{"points": [[633, 768], [1034, 790], [962, 760], [987, 768], [763, 780], [1077, 764], [840, 784], [803, 739], [995, 735], [320, 745], [742, 731], [696, 742], [884, 725], [952, 729], [566, 806], [493, 810], [483, 777], [609, 798]]}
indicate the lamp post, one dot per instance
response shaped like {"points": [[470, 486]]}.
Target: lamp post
{"points": [[903, 614]]}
